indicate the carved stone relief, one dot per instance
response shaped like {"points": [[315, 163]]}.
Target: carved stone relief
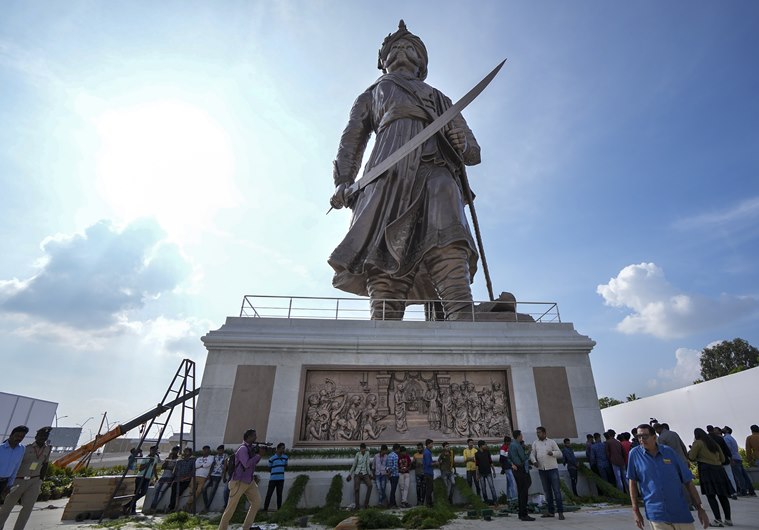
{"points": [[344, 406]]}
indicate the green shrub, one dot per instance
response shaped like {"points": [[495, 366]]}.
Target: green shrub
{"points": [[423, 517], [693, 466], [183, 520], [609, 491], [438, 515], [470, 497], [374, 518], [45, 491], [578, 499], [288, 512], [330, 514]]}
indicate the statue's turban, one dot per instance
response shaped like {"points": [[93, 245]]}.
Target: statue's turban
{"points": [[403, 33]]}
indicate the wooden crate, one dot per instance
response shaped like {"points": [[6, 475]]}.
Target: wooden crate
{"points": [[90, 495]]}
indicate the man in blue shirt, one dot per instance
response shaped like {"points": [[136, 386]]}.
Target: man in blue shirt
{"points": [[11, 454], [429, 474], [145, 468], [599, 459], [661, 474], [520, 465], [570, 462], [746, 487], [277, 465]]}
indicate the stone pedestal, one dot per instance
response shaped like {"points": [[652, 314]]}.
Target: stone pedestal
{"points": [[295, 380]]}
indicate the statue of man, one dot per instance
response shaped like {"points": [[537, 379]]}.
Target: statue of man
{"points": [[409, 238]]}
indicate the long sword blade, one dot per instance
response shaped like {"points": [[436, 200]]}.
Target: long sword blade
{"points": [[440, 122]]}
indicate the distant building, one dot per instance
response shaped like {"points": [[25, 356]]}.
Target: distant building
{"points": [[64, 439], [23, 410]]}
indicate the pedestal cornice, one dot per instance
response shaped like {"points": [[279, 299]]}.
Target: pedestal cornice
{"points": [[333, 336]]}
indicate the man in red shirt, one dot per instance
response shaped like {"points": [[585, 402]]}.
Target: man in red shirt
{"points": [[624, 439], [404, 469], [616, 456]]}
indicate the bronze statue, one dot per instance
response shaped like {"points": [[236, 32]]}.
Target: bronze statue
{"points": [[409, 238]]}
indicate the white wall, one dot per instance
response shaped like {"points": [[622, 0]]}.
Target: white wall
{"points": [[730, 400]]}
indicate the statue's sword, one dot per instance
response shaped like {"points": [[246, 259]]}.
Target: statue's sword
{"points": [[403, 151]]}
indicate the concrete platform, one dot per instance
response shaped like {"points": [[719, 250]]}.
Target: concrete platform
{"points": [[269, 373]]}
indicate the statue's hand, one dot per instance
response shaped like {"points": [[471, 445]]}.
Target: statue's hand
{"points": [[457, 137], [338, 199]]}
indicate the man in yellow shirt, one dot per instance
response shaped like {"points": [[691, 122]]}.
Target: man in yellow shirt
{"points": [[471, 466]]}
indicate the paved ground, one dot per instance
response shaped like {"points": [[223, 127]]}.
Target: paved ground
{"points": [[47, 515]]}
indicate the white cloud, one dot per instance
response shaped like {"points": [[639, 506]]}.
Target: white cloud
{"points": [[173, 336], [92, 280], [687, 369], [736, 216], [161, 336], [32, 329], [659, 309]]}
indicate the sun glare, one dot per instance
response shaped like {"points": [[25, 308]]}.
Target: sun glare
{"points": [[165, 159]]}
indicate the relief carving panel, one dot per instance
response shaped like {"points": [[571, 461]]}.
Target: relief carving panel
{"points": [[345, 406]]}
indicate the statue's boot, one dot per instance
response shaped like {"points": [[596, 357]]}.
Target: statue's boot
{"points": [[448, 268], [388, 295]]}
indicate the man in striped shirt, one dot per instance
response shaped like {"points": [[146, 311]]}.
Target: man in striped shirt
{"points": [[391, 467], [277, 465]]}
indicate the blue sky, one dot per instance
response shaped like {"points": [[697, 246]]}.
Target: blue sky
{"points": [[160, 160]]}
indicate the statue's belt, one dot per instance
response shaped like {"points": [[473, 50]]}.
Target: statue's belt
{"points": [[403, 111]]}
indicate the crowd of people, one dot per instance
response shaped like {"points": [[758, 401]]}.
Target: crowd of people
{"points": [[646, 463], [184, 476], [205, 473], [394, 467], [202, 475], [657, 465], [650, 463]]}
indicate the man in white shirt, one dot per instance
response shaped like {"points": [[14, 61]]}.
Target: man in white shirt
{"points": [[214, 478], [544, 454], [203, 465]]}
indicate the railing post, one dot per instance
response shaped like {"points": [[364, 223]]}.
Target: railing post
{"points": [[337, 309], [289, 308]]}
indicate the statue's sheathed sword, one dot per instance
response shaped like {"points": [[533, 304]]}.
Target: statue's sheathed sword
{"points": [[422, 136]]}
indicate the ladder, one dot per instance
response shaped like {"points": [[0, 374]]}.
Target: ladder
{"points": [[182, 392]]}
